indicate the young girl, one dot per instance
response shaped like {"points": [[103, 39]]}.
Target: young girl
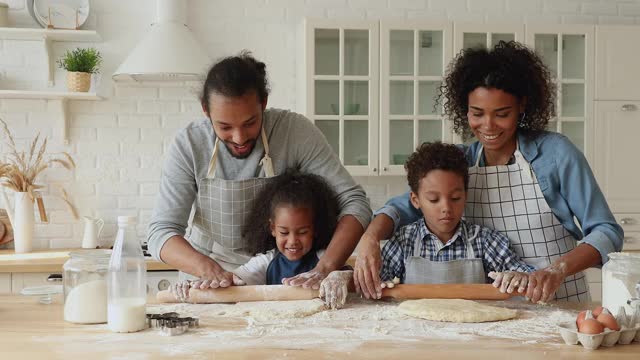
{"points": [[290, 226]]}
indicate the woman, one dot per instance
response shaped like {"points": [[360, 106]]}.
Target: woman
{"points": [[524, 181]]}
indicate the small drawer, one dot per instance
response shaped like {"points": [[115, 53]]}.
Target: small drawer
{"points": [[20, 281], [629, 222], [5, 284]]}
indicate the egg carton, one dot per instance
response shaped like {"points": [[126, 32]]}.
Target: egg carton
{"points": [[629, 332]]}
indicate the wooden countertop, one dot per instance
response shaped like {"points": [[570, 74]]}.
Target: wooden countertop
{"points": [[50, 260], [34, 331]]}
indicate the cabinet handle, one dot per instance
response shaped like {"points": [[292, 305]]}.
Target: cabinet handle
{"points": [[629, 107], [627, 221], [375, 169], [627, 240], [385, 168], [54, 278]]}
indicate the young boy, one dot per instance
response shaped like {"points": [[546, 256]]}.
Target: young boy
{"points": [[442, 247]]}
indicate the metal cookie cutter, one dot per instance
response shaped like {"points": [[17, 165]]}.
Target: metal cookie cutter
{"points": [[171, 323]]}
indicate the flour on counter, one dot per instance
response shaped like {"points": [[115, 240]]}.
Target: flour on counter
{"points": [[359, 322]]}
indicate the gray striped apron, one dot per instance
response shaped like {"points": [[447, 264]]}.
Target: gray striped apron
{"points": [[221, 210], [421, 270]]}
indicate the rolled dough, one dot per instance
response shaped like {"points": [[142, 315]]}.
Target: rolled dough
{"points": [[274, 310], [454, 310]]}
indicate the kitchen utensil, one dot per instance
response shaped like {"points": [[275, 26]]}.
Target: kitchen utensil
{"points": [[446, 291], [44, 292], [242, 294], [171, 323], [92, 230], [282, 292]]}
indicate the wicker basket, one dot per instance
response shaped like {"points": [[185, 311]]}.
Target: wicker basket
{"points": [[78, 81]]}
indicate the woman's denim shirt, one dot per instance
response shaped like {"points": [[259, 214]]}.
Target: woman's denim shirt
{"points": [[567, 183]]}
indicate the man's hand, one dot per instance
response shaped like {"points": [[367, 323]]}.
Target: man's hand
{"points": [[366, 277], [335, 288]]}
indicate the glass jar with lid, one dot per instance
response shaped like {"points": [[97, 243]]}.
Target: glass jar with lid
{"points": [[85, 286], [620, 279]]}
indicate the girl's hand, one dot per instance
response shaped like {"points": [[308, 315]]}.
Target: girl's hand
{"points": [[366, 277], [544, 283], [335, 288], [308, 280], [510, 280]]}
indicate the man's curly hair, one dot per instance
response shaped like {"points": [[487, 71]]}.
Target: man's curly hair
{"points": [[297, 189], [435, 156], [509, 66]]}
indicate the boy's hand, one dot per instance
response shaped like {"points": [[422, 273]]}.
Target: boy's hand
{"points": [[335, 288], [510, 280]]}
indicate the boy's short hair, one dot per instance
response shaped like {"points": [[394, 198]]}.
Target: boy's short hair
{"points": [[435, 156]]}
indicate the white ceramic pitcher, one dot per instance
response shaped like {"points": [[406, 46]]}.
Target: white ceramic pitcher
{"points": [[22, 220], [92, 230]]}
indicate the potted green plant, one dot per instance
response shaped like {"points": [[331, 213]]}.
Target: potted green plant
{"points": [[80, 64]]}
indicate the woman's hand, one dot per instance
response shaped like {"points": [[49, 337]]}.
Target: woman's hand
{"points": [[366, 276], [335, 288], [510, 280], [544, 283]]}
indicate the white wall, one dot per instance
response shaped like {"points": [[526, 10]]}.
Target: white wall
{"points": [[119, 142]]}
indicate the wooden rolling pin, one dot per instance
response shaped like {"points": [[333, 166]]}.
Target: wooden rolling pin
{"points": [[446, 291], [241, 294], [281, 292]]}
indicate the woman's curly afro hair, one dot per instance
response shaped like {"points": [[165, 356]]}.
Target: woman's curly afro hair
{"points": [[509, 66]]}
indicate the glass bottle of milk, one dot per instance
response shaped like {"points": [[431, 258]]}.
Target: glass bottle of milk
{"points": [[127, 280]]}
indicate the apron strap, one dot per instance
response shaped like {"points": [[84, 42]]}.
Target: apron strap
{"points": [[211, 172], [266, 162], [417, 245], [470, 240]]}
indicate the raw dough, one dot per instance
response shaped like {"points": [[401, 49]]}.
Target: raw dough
{"points": [[274, 310], [454, 310]]}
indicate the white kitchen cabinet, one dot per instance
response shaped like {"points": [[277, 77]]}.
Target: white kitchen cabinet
{"points": [[616, 126], [20, 281], [5, 284], [414, 57], [341, 75], [617, 71], [568, 51]]}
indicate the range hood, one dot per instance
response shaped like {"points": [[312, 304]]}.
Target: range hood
{"points": [[168, 51]]}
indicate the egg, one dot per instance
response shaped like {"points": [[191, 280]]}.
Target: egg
{"points": [[597, 311], [608, 321], [580, 317], [591, 326]]}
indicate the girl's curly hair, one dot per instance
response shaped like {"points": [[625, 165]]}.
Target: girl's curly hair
{"points": [[511, 67], [297, 189]]}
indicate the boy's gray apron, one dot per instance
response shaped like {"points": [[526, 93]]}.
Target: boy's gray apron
{"points": [[221, 209], [421, 270], [508, 198]]}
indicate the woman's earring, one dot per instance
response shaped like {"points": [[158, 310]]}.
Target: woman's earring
{"points": [[521, 121]]}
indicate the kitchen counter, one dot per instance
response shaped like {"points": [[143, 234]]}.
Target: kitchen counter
{"points": [[34, 331], [51, 261]]}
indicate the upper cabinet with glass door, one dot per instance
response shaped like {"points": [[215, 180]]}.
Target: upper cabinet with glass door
{"points": [[568, 51], [341, 60], [413, 60], [486, 36]]}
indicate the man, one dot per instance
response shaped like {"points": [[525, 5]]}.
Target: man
{"points": [[219, 164]]}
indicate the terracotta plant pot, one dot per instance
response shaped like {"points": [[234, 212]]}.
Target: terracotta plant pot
{"points": [[78, 81]]}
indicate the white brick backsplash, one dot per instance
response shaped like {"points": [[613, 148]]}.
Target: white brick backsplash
{"points": [[602, 8], [490, 6], [136, 92], [561, 7], [524, 6], [94, 121], [62, 243], [629, 9], [149, 189], [136, 202], [26, 105], [119, 142], [370, 4], [156, 107], [451, 6]]}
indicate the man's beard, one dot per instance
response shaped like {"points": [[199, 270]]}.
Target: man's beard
{"points": [[230, 148]]}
